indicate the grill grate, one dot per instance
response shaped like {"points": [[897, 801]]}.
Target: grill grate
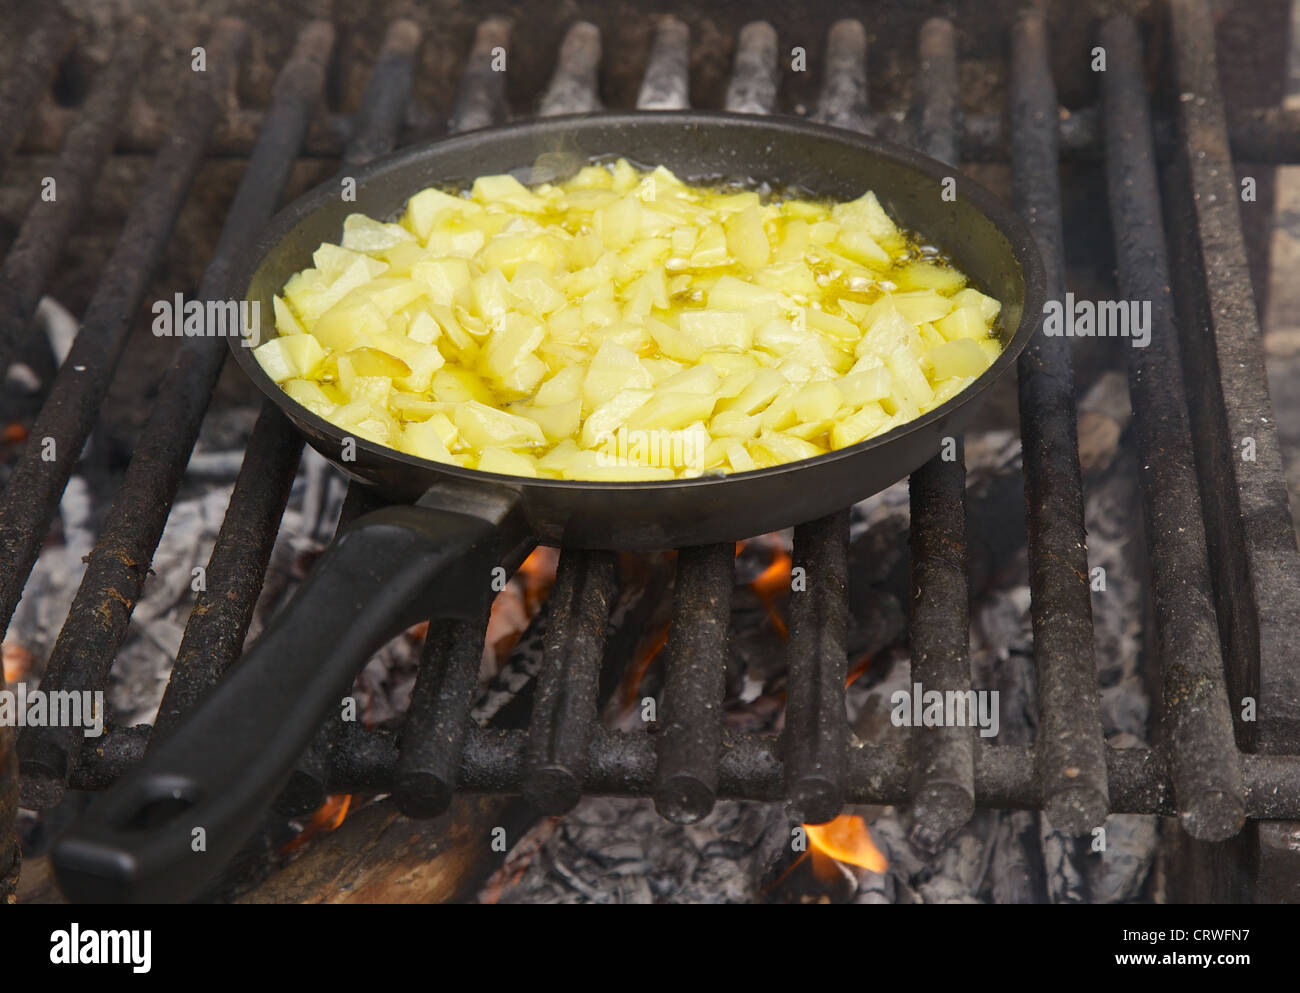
{"points": [[1227, 588]]}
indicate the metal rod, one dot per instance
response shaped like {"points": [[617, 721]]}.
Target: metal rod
{"points": [[38, 59], [215, 632], [695, 684], [437, 720], [1070, 747], [56, 208], [755, 75], [32, 493], [667, 81], [481, 99], [116, 571], [623, 764], [1248, 522], [1196, 717], [940, 620], [1268, 135], [383, 106], [564, 713], [573, 88], [816, 725], [843, 100]]}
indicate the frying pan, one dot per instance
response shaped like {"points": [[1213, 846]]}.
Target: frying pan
{"points": [[434, 553]]}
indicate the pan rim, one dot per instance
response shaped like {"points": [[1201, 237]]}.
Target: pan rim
{"points": [[1001, 214]]}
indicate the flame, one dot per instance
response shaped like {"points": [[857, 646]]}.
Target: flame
{"points": [[857, 669], [637, 672], [328, 816], [17, 662], [771, 581], [846, 839]]}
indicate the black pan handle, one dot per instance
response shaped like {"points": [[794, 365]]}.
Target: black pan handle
{"points": [[171, 824]]}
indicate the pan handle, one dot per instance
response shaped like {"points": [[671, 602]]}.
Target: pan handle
{"points": [[166, 828]]}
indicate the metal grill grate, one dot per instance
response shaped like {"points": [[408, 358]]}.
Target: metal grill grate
{"points": [[1227, 588]]}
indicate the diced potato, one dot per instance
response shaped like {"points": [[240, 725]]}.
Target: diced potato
{"points": [[746, 239], [671, 411], [859, 388], [858, 426], [923, 306], [817, 401], [295, 356], [361, 234], [986, 305], [928, 276], [482, 426], [310, 395], [558, 421], [716, 328], [606, 419], [621, 325], [286, 322], [964, 322], [613, 368], [506, 462], [564, 386], [960, 357]]}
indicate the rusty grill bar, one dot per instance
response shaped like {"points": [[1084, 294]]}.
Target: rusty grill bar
{"points": [[815, 766]]}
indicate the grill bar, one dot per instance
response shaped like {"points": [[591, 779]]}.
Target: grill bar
{"points": [[48, 223], [1070, 750], [115, 574], [695, 684], [481, 98], [39, 56], [1248, 522], [623, 764], [573, 87], [383, 107], [215, 632], [816, 725], [1197, 720], [565, 714], [843, 100], [940, 621], [667, 80], [433, 735], [32, 493], [754, 76]]}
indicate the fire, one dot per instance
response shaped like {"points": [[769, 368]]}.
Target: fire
{"points": [[637, 672], [846, 839], [772, 581], [17, 662], [857, 669], [328, 816]]}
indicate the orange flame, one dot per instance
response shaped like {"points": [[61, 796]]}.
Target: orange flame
{"points": [[846, 839], [328, 816], [857, 669], [772, 581], [17, 661], [642, 666]]}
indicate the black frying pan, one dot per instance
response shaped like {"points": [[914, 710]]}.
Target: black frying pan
{"points": [[435, 555]]}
